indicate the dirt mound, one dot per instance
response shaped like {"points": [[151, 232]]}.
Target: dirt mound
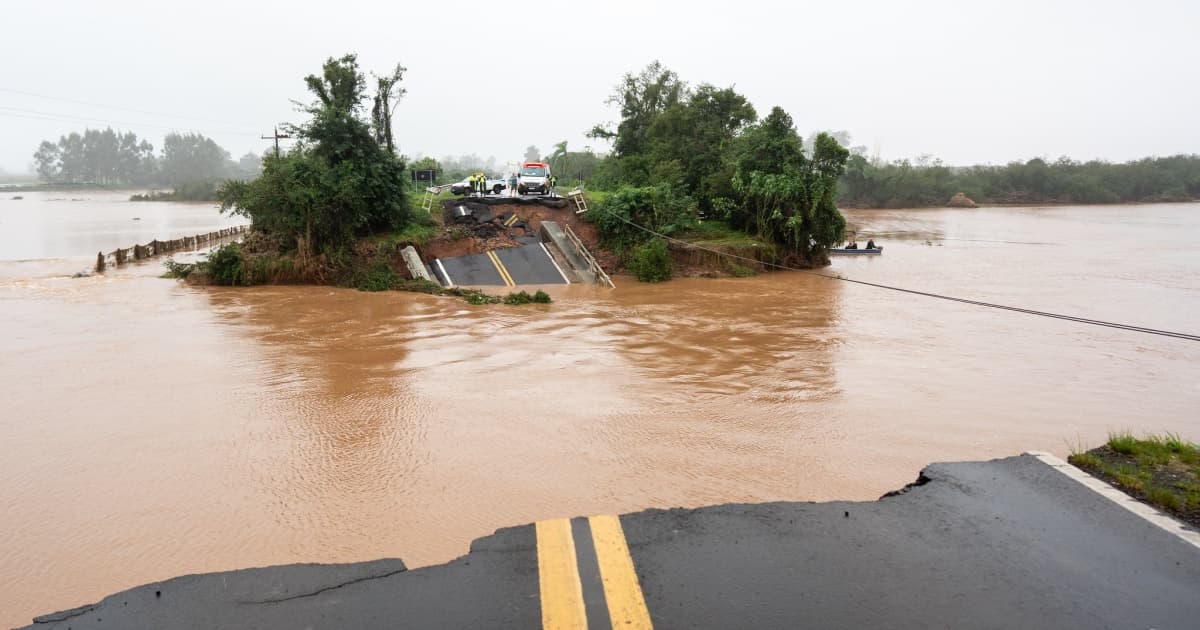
{"points": [[961, 201], [462, 234]]}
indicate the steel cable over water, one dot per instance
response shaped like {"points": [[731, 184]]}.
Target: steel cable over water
{"points": [[1016, 309]]}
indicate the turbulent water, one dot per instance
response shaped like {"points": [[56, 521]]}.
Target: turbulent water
{"points": [[152, 429]]}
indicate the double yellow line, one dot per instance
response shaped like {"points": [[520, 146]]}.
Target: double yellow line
{"points": [[558, 576], [508, 281]]}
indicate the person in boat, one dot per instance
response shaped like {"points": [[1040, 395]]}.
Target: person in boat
{"points": [[853, 244], [870, 243]]}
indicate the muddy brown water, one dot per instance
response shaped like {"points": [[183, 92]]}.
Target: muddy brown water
{"points": [[151, 429]]}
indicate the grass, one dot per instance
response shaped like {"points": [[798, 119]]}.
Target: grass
{"points": [[719, 233], [418, 233], [1162, 470]]}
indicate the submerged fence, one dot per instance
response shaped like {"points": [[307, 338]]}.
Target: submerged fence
{"points": [[157, 247]]}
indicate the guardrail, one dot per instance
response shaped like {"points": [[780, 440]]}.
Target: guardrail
{"points": [[591, 261], [157, 248]]}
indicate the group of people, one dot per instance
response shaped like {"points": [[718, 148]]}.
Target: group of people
{"points": [[853, 243], [479, 184]]}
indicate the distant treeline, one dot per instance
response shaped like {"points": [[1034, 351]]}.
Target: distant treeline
{"points": [[111, 158], [203, 190], [903, 183]]}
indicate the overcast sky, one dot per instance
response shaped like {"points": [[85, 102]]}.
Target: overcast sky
{"points": [[969, 82]]}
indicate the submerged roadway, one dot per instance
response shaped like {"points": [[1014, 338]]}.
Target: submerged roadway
{"points": [[1011, 543]]}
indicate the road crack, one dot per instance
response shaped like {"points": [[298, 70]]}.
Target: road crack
{"points": [[325, 589]]}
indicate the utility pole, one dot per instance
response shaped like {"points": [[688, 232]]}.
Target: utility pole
{"points": [[276, 136]]}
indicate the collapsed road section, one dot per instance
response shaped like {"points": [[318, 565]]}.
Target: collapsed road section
{"points": [[1009, 543], [508, 241]]}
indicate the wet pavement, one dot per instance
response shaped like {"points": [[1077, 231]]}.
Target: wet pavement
{"points": [[1010, 543], [529, 264]]}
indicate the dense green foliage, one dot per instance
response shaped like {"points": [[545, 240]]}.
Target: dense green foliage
{"points": [[787, 197], [681, 154], [627, 210], [339, 182], [651, 261], [108, 158], [928, 182], [225, 265]]}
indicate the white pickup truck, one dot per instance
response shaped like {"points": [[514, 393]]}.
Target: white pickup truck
{"points": [[493, 186]]}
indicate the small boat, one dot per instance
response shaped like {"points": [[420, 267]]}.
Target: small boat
{"points": [[873, 250]]}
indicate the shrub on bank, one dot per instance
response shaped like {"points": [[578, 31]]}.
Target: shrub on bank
{"points": [[225, 265], [651, 262]]}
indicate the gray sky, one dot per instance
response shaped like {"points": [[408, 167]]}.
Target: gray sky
{"points": [[969, 82]]}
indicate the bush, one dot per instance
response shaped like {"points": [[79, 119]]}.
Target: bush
{"points": [[651, 262], [177, 269], [225, 265], [657, 208], [523, 297], [378, 277]]}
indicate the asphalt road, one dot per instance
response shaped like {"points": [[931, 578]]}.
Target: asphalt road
{"points": [[1009, 543], [524, 265]]}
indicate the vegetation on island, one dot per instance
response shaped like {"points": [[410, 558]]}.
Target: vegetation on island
{"points": [[1161, 470], [684, 156], [336, 207]]}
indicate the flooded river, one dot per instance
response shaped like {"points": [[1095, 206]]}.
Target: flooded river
{"points": [[151, 429]]}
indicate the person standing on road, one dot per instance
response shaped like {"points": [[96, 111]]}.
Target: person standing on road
{"points": [[512, 184], [474, 184], [553, 183]]}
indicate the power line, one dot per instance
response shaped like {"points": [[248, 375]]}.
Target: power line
{"points": [[31, 114], [113, 107], [1016, 309]]}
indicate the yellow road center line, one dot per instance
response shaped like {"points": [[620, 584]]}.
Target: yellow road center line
{"points": [[496, 264], [503, 271], [558, 577], [626, 605]]}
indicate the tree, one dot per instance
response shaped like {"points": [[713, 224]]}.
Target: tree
{"points": [[689, 141], [340, 87], [427, 164], [338, 183], [49, 161], [96, 156], [387, 96], [192, 157], [789, 199], [641, 98], [532, 154], [579, 165]]}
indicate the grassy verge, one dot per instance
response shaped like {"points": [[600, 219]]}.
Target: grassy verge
{"points": [[720, 237], [1163, 471]]}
